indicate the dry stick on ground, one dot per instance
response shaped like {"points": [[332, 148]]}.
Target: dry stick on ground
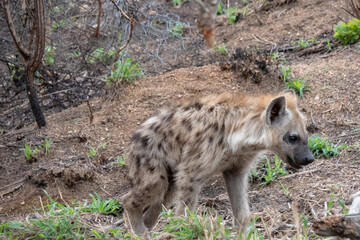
{"points": [[91, 117], [132, 21], [98, 20]]}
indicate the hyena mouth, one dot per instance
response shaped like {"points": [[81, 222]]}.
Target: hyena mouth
{"points": [[292, 163]]}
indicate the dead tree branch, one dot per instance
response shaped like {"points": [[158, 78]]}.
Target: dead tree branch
{"points": [[24, 52], [33, 60], [132, 21]]}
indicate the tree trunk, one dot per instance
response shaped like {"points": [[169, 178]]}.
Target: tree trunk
{"points": [[33, 99]]}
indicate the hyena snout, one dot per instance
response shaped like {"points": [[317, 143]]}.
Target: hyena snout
{"points": [[304, 157]]}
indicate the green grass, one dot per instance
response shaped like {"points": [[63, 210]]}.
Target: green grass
{"points": [[29, 153], [222, 50], [178, 29], [125, 70], [320, 147], [302, 44], [299, 86], [58, 221], [203, 225], [121, 160], [285, 73], [110, 206], [276, 58], [231, 14], [268, 172]]}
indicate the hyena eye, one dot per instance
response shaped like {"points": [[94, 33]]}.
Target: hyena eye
{"points": [[292, 139]]}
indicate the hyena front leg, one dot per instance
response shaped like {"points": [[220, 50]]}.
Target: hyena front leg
{"points": [[236, 184], [188, 191], [152, 214]]}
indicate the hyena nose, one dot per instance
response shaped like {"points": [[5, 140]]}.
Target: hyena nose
{"points": [[309, 160]]}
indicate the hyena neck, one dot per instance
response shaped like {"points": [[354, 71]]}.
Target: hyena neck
{"points": [[253, 136]]}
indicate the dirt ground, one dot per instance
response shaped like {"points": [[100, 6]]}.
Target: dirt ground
{"points": [[333, 105]]}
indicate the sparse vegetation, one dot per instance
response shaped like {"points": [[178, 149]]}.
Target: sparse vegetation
{"points": [[58, 221], [124, 70], [222, 50], [110, 206], [285, 72], [120, 160], [231, 14], [320, 147], [49, 52], [178, 30], [29, 153], [299, 86], [302, 44], [348, 33], [276, 58], [93, 152], [267, 173]]}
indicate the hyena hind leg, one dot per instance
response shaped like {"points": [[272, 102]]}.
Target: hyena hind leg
{"points": [[151, 216]]}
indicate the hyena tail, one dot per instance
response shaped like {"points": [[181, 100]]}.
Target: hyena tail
{"points": [[143, 203]]}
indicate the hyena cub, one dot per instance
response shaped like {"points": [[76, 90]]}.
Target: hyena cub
{"points": [[174, 152]]}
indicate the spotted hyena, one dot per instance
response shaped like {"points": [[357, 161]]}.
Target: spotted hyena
{"points": [[174, 152]]}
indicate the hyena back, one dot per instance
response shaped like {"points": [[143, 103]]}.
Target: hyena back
{"points": [[174, 152]]}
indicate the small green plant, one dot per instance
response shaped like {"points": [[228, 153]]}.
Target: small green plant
{"points": [[272, 173], [285, 72], [267, 173], [27, 152], [348, 33], [93, 152], [306, 226], [110, 206], [231, 14], [320, 147], [57, 25], [285, 189], [299, 86], [222, 50], [49, 53], [219, 10], [124, 70], [345, 210], [120, 160], [177, 30], [328, 44], [98, 55], [276, 58], [302, 44]]}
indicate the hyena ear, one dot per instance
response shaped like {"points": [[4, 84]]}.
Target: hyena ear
{"points": [[275, 112]]}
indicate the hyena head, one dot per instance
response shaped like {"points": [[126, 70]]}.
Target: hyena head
{"points": [[287, 126]]}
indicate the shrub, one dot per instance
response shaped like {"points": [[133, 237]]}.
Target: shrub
{"points": [[348, 33]]}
